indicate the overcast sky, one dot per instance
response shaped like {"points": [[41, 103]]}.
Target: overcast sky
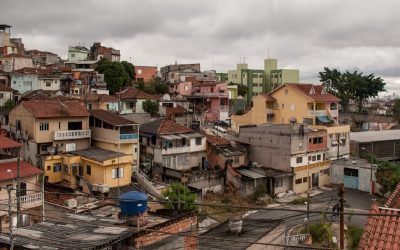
{"points": [[303, 34]]}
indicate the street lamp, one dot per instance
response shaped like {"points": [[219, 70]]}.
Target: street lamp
{"points": [[372, 163]]}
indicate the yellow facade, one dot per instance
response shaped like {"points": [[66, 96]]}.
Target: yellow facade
{"points": [[100, 172], [305, 173]]}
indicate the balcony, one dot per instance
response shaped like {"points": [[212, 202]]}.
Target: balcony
{"points": [[128, 136], [317, 113], [71, 134], [27, 201], [334, 112]]}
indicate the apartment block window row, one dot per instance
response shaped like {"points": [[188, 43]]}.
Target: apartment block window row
{"points": [[301, 180]]}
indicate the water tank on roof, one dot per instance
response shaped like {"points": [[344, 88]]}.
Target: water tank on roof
{"points": [[133, 203]]}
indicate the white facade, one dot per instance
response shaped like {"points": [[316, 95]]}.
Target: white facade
{"points": [[49, 83], [12, 63], [5, 96]]}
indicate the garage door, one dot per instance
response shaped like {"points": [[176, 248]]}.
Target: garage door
{"points": [[350, 178]]}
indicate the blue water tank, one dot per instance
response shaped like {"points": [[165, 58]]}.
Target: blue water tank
{"points": [[133, 203]]}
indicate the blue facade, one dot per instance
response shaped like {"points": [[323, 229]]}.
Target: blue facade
{"points": [[24, 82]]}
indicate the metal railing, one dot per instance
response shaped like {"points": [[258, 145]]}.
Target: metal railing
{"points": [[317, 112], [128, 136], [71, 134], [27, 201]]}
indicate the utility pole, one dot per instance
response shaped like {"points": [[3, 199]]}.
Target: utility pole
{"points": [[18, 194], [10, 223], [341, 194], [308, 211]]}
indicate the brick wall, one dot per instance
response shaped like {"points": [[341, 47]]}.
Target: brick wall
{"points": [[172, 228]]}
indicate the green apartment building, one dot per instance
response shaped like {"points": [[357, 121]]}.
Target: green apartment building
{"points": [[262, 80]]}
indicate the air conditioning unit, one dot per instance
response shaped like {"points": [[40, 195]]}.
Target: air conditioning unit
{"points": [[71, 203], [95, 187], [103, 188]]}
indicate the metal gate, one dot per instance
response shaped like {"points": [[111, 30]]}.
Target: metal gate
{"points": [[350, 178]]}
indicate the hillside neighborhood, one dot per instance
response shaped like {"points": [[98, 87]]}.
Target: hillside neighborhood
{"points": [[98, 152]]}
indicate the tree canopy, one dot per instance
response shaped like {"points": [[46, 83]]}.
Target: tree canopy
{"points": [[180, 197], [396, 110], [150, 107], [116, 74], [354, 86]]}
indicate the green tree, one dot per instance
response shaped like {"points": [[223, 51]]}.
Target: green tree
{"points": [[115, 74], [351, 86], [180, 197], [242, 90], [150, 107], [396, 110], [9, 105], [388, 176], [129, 69]]}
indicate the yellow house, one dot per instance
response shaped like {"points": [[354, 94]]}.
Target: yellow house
{"points": [[113, 132], [49, 126], [301, 103], [85, 168]]}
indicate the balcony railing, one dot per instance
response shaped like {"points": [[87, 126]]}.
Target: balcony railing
{"points": [[334, 112], [128, 136], [269, 111], [26, 201], [71, 134], [317, 112]]}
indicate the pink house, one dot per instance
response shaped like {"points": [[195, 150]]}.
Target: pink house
{"points": [[215, 96], [183, 88]]}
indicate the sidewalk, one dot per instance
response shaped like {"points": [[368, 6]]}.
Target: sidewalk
{"points": [[336, 231]]}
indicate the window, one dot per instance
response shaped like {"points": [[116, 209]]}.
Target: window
{"points": [[44, 126], [27, 83], [18, 124], [198, 141], [117, 173], [80, 170], [283, 106], [66, 169], [22, 188], [88, 170], [314, 158], [299, 159], [298, 181], [74, 169], [342, 142], [318, 157], [48, 168], [48, 84], [236, 159], [75, 125], [72, 55], [278, 182], [1, 95], [57, 167], [305, 179], [309, 158], [14, 82]]}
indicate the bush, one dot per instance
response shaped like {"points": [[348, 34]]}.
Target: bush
{"points": [[260, 192], [298, 201], [353, 235]]}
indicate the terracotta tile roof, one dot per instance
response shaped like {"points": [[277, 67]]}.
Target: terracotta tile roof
{"points": [[110, 118], [383, 232], [134, 93], [268, 97], [26, 170], [217, 141], [6, 142], [174, 111], [305, 89], [4, 87], [163, 126], [55, 108], [99, 98]]}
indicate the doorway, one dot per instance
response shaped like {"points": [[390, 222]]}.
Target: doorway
{"points": [[315, 180]]}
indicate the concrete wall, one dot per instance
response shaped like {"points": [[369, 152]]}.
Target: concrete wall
{"points": [[5, 96], [49, 83], [24, 82]]}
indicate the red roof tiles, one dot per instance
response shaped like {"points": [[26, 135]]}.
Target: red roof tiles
{"points": [[8, 143], [55, 108], [26, 170], [111, 118], [217, 141], [163, 126], [383, 232], [134, 93], [317, 94]]}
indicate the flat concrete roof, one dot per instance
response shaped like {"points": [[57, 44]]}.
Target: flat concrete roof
{"points": [[369, 136]]}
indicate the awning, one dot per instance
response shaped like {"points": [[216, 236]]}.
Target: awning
{"points": [[324, 119]]}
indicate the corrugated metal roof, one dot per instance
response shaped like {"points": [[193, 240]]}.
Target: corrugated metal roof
{"points": [[369, 136], [251, 174]]}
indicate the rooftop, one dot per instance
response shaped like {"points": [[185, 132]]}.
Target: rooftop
{"points": [[55, 108], [98, 154], [69, 232], [134, 93], [111, 118], [217, 141], [26, 170], [163, 126], [312, 91], [254, 227], [370, 136], [6, 142]]}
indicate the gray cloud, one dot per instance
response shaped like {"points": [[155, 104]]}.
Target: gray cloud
{"points": [[307, 34]]}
